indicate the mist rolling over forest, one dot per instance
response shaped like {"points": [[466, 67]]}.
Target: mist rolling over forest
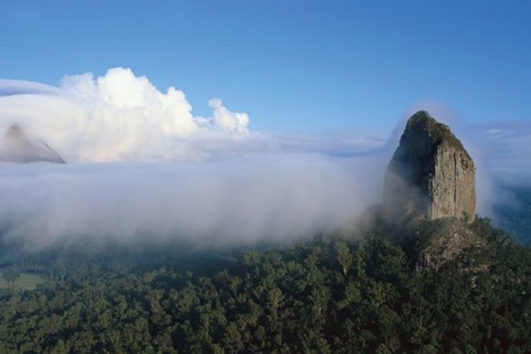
{"points": [[159, 172], [265, 177]]}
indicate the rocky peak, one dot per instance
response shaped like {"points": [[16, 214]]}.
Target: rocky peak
{"points": [[17, 147], [431, 175]]}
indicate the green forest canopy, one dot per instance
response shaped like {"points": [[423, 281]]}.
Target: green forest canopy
{"points": [[328, 294]]}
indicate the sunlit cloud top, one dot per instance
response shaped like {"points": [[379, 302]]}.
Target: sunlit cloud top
{"points": [[117, 116]]}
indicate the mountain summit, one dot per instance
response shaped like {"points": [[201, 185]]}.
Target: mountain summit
{"points": [[17, 146], [431, 175]]}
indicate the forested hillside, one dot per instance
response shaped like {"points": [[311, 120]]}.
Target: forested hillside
{"points": [[329, 294]]}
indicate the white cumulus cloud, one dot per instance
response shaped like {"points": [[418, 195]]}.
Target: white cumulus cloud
{"points": [[118, 116], [226, 119]]}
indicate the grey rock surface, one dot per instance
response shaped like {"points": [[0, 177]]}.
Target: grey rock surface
{"points": [[431, 175]]}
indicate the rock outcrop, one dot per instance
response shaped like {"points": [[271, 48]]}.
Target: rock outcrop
{"points": [[443, 240], [17, 147], [431, 175]]}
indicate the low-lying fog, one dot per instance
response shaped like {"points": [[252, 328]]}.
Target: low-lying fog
{"points": [[140, 165]]}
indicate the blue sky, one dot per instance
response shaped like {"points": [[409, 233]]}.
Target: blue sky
{"points": [[291, 65]]}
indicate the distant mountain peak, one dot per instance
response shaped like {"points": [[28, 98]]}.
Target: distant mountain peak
{"points": [[17, 147], [14, 132]]}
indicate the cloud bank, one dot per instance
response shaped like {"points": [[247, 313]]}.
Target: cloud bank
{"points": [[142, 167], [116, 117], [231, 202]]}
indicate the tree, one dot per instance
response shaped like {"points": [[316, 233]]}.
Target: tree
{"points": [[11, 276], [344, 256]]}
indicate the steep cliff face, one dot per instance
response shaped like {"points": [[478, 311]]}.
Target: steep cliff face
{"points": [[431, 175]]}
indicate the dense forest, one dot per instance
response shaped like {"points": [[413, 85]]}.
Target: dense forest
{"points": [[328, 294]]}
